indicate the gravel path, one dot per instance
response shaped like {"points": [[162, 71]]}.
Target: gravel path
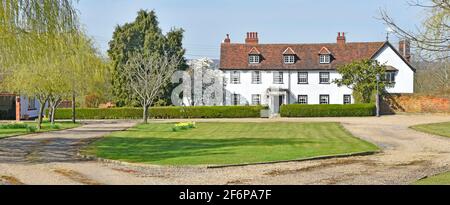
{"points": [[50, 158]]}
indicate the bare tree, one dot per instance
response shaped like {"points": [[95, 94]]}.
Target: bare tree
{"points": [[146, 77], [432, 40]]}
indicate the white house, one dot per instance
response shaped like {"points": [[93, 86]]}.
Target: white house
{"points": [[275, 74], [14, 107]]}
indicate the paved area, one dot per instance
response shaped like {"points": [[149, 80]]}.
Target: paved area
{"points": [[50, 158]]}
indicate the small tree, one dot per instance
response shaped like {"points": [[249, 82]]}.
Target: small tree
{"points": [[147, 75], [360, 76]]}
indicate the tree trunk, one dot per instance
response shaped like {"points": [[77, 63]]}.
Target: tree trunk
{"points": [[73, 108], [50, 113], [145, 114], [41, 112], [52, 116]]}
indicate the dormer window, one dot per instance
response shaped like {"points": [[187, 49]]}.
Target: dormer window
{"points": [[289, 59], [254, 59], [289, 56], [325, 58]]}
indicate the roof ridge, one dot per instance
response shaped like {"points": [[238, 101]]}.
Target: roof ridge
{"points": [[287, 44]]}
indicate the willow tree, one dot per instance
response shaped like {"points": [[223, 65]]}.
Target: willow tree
{"points": [[44, 52]]}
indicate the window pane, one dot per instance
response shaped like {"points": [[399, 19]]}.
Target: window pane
{"points": [[256, 99], [324, 77], [303, 99], [324, 99], [235, 77], [256, 77], [289, 59], [347, 99], [324, 58], [235, 99], [253, 58], [302, 77], [278, 77]]}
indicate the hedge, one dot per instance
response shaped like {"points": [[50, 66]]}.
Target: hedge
{"points": [[162, 112], [301, 110]]}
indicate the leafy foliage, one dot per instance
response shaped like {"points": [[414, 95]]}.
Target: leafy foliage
{"points": [[44, 52], [141, 36], [361, 77]]}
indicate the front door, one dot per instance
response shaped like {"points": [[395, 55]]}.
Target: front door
{"points": [[277, 102]]}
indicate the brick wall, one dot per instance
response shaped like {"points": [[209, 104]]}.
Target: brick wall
{"points": [[414, 103]]}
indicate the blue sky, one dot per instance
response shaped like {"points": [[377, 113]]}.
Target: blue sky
{"points": [[278, 21]]}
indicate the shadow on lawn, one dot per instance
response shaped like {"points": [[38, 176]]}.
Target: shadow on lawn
{"points": [[157, 149]]}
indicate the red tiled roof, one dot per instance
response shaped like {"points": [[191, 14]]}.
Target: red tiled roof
{"points": [[235, 55]]}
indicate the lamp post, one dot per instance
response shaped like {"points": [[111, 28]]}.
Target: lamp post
{"points": [[377, 97]]}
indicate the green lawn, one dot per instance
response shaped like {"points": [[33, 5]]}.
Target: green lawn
{"points": [[440, 179], [227, 143], [45, 128], [442, 129]]}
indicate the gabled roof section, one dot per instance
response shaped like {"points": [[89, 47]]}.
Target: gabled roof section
{"points": [[289, 51], [234, 56], [387, 43], [324, 51], [254, 51]]}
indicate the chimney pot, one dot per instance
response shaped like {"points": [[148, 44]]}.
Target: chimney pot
{"points": [[341, 39], [252, 38], [405, 49], [227, 39]]}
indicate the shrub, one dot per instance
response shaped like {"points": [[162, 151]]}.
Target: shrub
{"points": [[183, 126], [55, 126], [170, 112], [31, 128], [13, 126], [299, 110]]}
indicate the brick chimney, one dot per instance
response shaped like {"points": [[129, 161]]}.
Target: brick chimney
{"points": [[252, 38], [227, 39], [405, 49], [340, 39]]}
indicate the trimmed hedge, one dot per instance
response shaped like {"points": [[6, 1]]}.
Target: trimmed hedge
{"points": [[301, 110], [170, 112]]}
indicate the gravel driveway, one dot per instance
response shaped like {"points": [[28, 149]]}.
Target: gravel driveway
{"points": [[50, 158]]}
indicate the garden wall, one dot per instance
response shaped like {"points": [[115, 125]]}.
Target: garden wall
{"points": [[415, 103]]}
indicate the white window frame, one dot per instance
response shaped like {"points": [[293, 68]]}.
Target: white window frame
{"points": [[289, 59], [235, 77], [305, 77], [236, 99], [324, 58], [254, 59], [322, 77], [347, 99], [326, 99], [32, 103], [302, 99], [278, 77], [256, 77], [389, 77], [256, 99]]}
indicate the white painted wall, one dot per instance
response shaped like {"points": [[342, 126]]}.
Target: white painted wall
{"points": [[24, 111], [313, 89], [404, 82], [404, 79]]}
